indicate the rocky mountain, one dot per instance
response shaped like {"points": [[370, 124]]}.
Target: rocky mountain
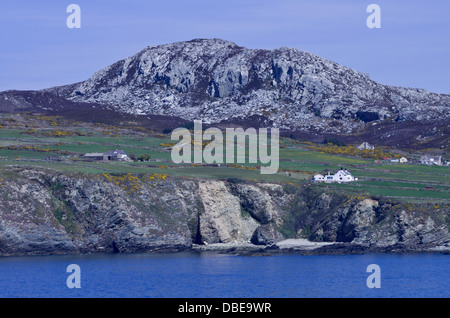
{"points": [[218, 81], [43, 211]]}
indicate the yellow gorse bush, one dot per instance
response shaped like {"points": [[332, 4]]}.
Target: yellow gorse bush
{"points": [[54, 133], [237, 166], [332, 149], [32, 148], [170, 144], [129, 182]]}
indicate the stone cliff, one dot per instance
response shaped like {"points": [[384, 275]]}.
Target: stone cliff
{"points": [[48, 212]]}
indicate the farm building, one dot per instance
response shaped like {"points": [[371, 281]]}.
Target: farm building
{"points": [[115, 155], [431, 160], [94, 156]]}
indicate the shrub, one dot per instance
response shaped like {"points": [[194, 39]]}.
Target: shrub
{"points": [[334, 141], [144, 157]]}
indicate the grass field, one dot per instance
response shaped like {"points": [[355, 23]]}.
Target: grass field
{"points": [[405, 182]]}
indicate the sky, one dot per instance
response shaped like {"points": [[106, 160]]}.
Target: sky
{"points": [[411, 49]]}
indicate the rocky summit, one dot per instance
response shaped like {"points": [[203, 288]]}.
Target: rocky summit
{"points": [[218, 81]]}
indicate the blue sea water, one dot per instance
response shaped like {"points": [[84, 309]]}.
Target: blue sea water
{"points": [[212, 275]]}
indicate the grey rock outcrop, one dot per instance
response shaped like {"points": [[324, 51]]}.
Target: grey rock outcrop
{"points": [[266, 234], [215, 80], [369, 222], [222, 220], [59, 214]]}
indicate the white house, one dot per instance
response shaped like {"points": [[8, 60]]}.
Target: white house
{"points": [[319, 178], [365, 145], [116, 155], [431, 160], [340, 176]]}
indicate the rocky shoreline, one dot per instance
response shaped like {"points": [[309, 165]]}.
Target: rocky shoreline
{"points": [[44, 212], [251, 250], [304, 247]]}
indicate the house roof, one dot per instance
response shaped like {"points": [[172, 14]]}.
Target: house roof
{"points": [[115, 153], [344, 173], [339, 172], [94, 154]]}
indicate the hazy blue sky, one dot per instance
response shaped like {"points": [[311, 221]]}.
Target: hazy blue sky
{"points": [[411, 49]]}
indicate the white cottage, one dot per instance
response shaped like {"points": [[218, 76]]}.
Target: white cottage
{"points": [[116, 155], [340, 176], [319, 178], [431, 160]]}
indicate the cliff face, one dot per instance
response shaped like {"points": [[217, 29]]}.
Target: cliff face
{"points": [[47, 212]]}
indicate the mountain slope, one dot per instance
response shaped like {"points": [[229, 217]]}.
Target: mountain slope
{"points": [[215, 80], [218, 81]]}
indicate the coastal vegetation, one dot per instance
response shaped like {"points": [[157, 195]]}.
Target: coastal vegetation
{"points": [[57, 143]]}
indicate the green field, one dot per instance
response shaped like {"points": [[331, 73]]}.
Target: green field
{"points": [[405, 182]]}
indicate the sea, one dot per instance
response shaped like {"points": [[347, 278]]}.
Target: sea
{"points": [[214, 275]]}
